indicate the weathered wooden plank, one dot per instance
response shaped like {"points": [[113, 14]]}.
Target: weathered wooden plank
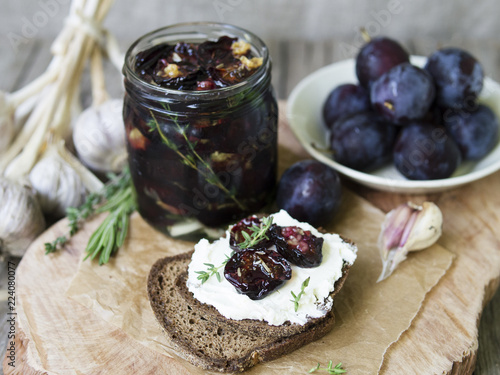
{"points": [[486, 51], [274, 47], [14, 63], [35, 63], [296, 60], [303, 58], [488, 354]]}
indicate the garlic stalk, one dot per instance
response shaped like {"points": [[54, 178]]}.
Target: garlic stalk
{"points": [[21, 219], [408, 227], [16, 106], [99, 132], [24, 110], [99, 93], [90, 181], [14, 109], [52, 114]]}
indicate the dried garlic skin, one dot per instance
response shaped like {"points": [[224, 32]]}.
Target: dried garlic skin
{"points": [[408, 227], [393, 228], [21, 219], [99, 137]]}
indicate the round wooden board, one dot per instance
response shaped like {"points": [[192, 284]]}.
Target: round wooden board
{"points": [[74, 332], [441, 339]]}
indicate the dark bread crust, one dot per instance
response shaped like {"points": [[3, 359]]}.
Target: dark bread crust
{"points": [[250, 326], [207, 339]]}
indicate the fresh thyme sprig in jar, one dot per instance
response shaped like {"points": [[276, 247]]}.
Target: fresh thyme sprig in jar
{"points": [[201, 124]]}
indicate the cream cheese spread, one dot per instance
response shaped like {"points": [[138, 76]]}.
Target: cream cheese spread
{"points": [[277, 307]]}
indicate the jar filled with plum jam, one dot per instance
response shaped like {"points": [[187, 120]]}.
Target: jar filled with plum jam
{"points": [[201, 124]]}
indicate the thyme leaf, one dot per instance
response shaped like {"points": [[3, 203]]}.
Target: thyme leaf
{"points": [[259, 232], [296, 298], [51, 247], [212, 270], [330, 369]]}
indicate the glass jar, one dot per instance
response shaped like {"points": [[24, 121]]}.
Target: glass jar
{"points": [[200, 159]]}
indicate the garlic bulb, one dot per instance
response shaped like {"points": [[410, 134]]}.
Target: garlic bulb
{"points": [[58, 185], [21, 219], [99, 137], [6, 123]]}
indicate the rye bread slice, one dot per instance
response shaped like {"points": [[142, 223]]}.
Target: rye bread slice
{"points": [[212, 342], [250, 326]]}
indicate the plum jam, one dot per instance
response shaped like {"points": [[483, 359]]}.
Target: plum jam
{"points": [[201, 124]]}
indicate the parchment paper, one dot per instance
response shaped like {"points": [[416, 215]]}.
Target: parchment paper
{"points": [[369, 316]]}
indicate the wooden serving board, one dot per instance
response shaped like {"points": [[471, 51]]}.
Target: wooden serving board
{"points": [[442, 337]]}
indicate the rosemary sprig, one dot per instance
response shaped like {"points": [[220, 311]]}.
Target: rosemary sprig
{"points": [[190, 159], [117, 198], [259, 232], [212, 270], [330, 369], [296, 298]]}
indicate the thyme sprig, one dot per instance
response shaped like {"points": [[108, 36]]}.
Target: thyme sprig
{"points": [[330, 369], [51, 247], [259, 232], [118, 199], [190, 159], [296, 298], [212, 270]]}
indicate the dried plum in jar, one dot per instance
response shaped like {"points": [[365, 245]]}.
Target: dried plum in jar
{"points": [[201, 124]]}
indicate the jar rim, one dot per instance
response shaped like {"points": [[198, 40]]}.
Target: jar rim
{"points": [[250, 37]]}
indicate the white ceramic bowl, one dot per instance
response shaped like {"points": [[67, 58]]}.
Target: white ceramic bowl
{"points": [[304, 112]]}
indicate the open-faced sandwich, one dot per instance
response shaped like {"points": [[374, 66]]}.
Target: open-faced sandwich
{"points": [[262, 291]]}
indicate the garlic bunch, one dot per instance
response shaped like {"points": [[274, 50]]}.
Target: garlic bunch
{"points": [[59, 182], [21, 219], [409, 227], [99, 137], [6, 123], [51, 114]]}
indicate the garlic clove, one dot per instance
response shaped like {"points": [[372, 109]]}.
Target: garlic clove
{"points": [[409, 227], [427, 228]]}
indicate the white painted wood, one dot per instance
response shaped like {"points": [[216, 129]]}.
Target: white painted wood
{"points": [[278, 19]]}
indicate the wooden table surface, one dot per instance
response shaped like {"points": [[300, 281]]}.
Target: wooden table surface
{"points": [[292, 61]]}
